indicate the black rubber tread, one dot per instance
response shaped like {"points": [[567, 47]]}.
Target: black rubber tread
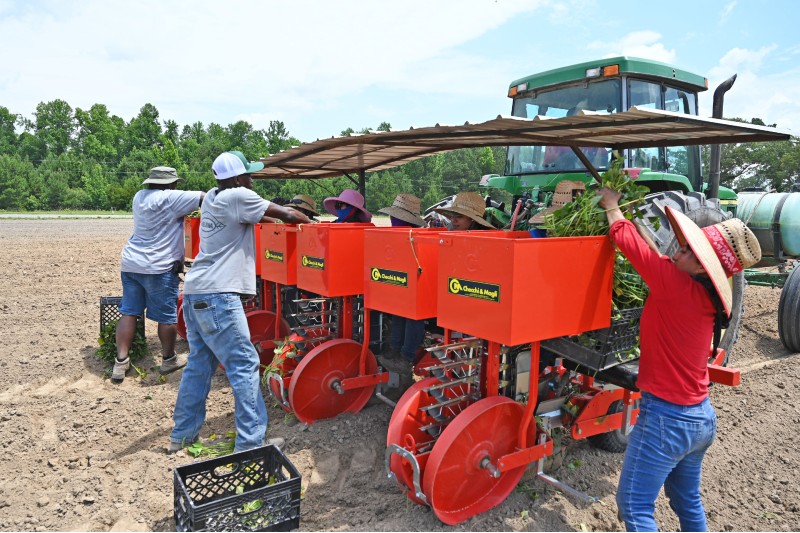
{"points": [[789, 312], [613, 441], [704, 212]]}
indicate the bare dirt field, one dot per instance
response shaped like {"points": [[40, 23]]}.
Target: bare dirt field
{"points": [[79, 453]]}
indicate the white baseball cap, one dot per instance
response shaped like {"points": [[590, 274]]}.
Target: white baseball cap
{"points": [[227, 165]]}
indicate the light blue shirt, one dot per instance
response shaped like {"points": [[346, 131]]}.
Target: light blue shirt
{"points": [[227, 258], [158, 239]]}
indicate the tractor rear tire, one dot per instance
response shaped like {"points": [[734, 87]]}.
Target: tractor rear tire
{"points": [[704, 212], [613, 441], [789, 312]]}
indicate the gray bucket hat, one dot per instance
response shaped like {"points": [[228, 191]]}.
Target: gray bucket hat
{"points": [[162, 176]]}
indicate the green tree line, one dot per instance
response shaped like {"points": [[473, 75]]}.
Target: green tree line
{"points": [[65, 158]]}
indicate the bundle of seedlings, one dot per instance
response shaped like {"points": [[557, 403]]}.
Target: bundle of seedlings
{"points": [[107, 352], [584, 217]]}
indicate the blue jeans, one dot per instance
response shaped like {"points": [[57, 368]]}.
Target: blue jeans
{"points": [[407, 336], [217, 332], [158, 293], [666, 449]]}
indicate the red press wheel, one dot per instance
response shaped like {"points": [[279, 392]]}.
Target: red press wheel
{"points": [[405, 430], [181, 322], [311, 392], [456, 485], [262, 333]]}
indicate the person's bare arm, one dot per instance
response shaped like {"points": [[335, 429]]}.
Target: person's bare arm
{"points": [[610, 202], [286, 214]]}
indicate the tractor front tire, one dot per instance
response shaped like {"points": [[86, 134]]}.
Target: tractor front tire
{"points": [[704, 212], [789, 312]]}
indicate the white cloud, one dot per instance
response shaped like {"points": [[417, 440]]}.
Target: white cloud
{"points": [[645, 44], [758, 92], [726, 12], [195, 59]]}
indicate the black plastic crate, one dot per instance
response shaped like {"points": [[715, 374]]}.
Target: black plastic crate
{"points": [[233, 493], [109, 312], [599, 349]]}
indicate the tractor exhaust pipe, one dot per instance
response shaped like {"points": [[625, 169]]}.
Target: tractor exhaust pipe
{"points": [[719, 97]]}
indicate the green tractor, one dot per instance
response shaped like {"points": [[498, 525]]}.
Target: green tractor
{"points": [[604, 87]]}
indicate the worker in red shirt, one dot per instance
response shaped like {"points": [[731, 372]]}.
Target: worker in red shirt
{"points": [[688, 304]]}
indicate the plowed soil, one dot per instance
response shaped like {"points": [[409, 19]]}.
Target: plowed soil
{"points": [[80, 453]]}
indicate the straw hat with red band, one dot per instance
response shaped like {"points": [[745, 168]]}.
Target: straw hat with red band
{"points": [[723, 249]]}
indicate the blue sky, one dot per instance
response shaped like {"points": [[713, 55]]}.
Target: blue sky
{"points": [[321, 66]]}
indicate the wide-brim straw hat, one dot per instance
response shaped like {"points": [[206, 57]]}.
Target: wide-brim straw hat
{"points": [[304, 203], [350, 197], [469, 204], [723, 249], [564, 194], [405, 207], [162, 176]]}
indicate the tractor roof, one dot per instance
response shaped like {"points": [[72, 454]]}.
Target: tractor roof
{"points": [[645, 68]]}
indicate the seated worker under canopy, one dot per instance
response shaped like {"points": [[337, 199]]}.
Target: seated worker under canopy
{"points": [[406, 334], [305, 204], [349, 206], [466, 212], [404, 211]]}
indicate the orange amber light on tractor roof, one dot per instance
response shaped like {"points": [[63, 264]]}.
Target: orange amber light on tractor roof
{"points": [[610, 70], [514, 91]]}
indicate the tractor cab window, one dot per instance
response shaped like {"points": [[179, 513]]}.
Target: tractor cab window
{"points": [[683, 160], [647, 95], [599, 97]]}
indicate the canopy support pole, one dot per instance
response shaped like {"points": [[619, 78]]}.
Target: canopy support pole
{"points": [[589, 166]]}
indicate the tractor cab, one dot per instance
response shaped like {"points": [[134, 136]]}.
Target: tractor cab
{"points": [[601, 88]]}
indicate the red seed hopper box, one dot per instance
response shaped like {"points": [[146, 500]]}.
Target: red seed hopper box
{"points": [[257, 241], [401, 269], [330, 258], [512, 289], [191, 237], [276, 252]]}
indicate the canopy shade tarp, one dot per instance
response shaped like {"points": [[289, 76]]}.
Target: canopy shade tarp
{"points": [[636, 128]]}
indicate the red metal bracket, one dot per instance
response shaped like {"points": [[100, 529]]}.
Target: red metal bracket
{"points": [[526, 456], [718, 358], [602, 424], [370, 380], [724, 375], [594, 418]]}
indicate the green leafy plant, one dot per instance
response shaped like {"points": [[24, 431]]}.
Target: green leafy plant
{"points": [[107, 352], [217, 446], [584, 217]]}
